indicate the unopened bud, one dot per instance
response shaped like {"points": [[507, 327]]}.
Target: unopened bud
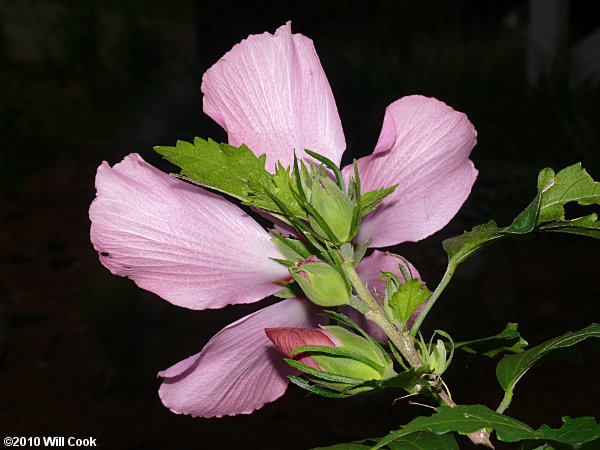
{"points": [[335, 208], [321, 282]]}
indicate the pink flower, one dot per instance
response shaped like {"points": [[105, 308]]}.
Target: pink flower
{"points": [[197, 250]]}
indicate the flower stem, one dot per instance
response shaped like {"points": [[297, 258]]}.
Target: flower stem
{"points": [[434, 296], [402, 341]]}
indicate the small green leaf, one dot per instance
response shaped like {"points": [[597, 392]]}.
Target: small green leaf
{"points": [[370, 200], [572, 184], [509, 340], [408, 298], [511, 368]]}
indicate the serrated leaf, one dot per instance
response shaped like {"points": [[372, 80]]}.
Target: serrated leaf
{"points": [[574, 434], [222, 167], [290, 291], [465, 419], [235, 171], [572, 184], [370, 200], [509, 340], [511, 368], [461, 247], [279, 185], [545, 213], [584, 226], [408, 297]]}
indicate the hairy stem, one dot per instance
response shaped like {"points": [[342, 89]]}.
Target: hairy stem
{"points": [[402, 341], [434, 296]]}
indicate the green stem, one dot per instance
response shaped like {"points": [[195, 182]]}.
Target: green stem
{"points": [[434, 296], [403, 342], [505, 402]]}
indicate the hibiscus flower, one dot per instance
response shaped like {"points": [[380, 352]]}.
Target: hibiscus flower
{"points": [[197, 250]]}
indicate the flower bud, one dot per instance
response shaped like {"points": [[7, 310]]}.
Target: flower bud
{"points": [[368, 364], [335, 208], [321, 282]]}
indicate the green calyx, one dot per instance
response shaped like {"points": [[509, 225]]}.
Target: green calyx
{"points": [[334, 212], [322, 283], [352, 362]]}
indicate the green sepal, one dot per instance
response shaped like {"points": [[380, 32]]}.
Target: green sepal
{"points": [[339, 351], [322, 373], [292, 249], [342, 318], [316, 389], [370, 200], [331, 165], [291, 290], [359, 252], [283, 262]]}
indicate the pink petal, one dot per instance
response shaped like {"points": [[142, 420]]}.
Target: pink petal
{"points": [[239, 370], [424, 146], [287, 339], [191, 247], [369, 271], [270, 93]]}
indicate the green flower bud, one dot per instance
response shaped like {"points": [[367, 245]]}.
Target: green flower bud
{"points": [[321, 282], [335, 208], [350, 367], [438, 359]]}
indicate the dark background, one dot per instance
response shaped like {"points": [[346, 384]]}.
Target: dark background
{"points": [[86, 81]]}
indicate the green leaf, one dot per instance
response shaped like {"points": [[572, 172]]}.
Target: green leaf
{"points": [[421, 440], [222, 167], [235, 171], [369, 200], [572, 184], [465, 419], [584, 226], [408, 298], [509, 340], [461, 247], [511, 368], [279, 185], [574, 431], [545, 213]]}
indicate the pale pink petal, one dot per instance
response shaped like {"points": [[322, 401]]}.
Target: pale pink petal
{"points": [[287, 339], [424, 146], [191, 247], [239, 370], [369, 271], [270, 93]]}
